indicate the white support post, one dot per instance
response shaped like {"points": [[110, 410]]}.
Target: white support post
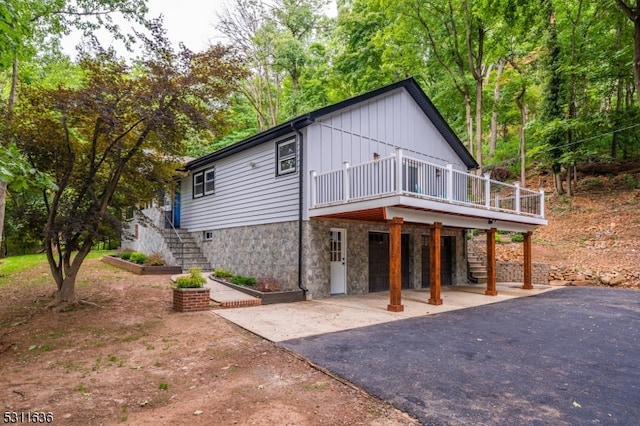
{"points": [[398, 170], [542, 202], [345, 181], [312, 189], [487, 190], [449, 181], [517, 206]]}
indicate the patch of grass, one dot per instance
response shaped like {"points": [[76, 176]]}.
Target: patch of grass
{"points": [[43, 348], [316, 387], [16, 264], [81, 388], [163, 386], [133, 337], [125, 415], [242, 280], [517, 238]]}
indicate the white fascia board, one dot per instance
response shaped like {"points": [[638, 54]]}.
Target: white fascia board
{"points": [[449, 214], [472, 212], [427, 217]]}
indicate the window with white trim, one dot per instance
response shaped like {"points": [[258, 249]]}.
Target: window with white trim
{"points": [[286, 157], [204, 182]]}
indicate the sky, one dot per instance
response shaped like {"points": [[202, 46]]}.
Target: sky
{"points": [[189, 21]]}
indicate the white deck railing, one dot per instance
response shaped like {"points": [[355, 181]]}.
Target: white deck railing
{"points": [[408, 176]]}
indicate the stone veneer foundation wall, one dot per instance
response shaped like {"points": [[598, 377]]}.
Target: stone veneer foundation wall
{"points": [[258, 251], [510, 272], [149, 235], [316, 254], [272, 251]]}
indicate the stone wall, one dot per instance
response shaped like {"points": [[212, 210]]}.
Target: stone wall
{"points": [[259, 251], [317, 263], [144, 234], [509, 272]]}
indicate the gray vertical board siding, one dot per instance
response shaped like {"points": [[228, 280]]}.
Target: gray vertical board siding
{"points": [[244, 195], [379, 125]]}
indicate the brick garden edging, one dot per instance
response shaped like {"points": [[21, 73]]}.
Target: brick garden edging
{"points": [[191, 299]]}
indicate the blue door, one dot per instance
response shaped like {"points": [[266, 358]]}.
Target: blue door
{"points": [[176, 210]]}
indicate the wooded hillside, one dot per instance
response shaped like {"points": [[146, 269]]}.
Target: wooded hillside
{"points": [[552, 85]]}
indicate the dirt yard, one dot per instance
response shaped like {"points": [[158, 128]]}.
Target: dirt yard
{"points": [[132, 360]]}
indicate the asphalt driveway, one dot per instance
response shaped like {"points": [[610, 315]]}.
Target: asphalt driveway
{"points": [[567, 357]]}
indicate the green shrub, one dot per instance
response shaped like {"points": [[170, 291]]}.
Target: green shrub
{"points": [[126, 254], [240, 280], [498, 238], [154, 259], [517, 238], [631, 182], [138, 257], [222, 273], [193, 280]]}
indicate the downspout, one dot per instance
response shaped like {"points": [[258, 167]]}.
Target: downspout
{"points": [[300, 207]]}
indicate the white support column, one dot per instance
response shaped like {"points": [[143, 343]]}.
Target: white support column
{"points": [[398, 173], [542, 202], [345, 181], [312, 189], [487, 190], [517, 190], [449, 181]]}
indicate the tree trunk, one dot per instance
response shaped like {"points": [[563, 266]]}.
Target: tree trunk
{"points": [[65, 271], [66, 294], [3, 203], [494, 112], [14, 85], [523, 144], [468, 120], [479, 125], [3, 185], [636, 52], [557, 181], [634, 15]]}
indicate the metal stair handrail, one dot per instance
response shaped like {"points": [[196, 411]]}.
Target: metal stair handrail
{"points": [[171, 235]]}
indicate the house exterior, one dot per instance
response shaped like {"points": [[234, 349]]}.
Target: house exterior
{"points": [[374, 193]]}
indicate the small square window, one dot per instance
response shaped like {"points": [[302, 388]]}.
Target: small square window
{"points": [[286, 157], [207, 235]]}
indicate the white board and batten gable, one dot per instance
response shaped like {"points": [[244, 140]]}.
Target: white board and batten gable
{"points": [[248, 188], [377, 126]]}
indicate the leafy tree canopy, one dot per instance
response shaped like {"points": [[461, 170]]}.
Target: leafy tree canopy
{"points": [[121, 131]]}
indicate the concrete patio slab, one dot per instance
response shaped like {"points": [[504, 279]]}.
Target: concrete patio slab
{"points": [[313, 317]]}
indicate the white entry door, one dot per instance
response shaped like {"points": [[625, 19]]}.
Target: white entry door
{"points": [[338, 255]]}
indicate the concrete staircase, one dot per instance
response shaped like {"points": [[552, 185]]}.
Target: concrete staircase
{"points": [[187, 253], [476, 270]]}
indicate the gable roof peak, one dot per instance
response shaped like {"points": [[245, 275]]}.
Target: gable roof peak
{"points": [[409, 84]]}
